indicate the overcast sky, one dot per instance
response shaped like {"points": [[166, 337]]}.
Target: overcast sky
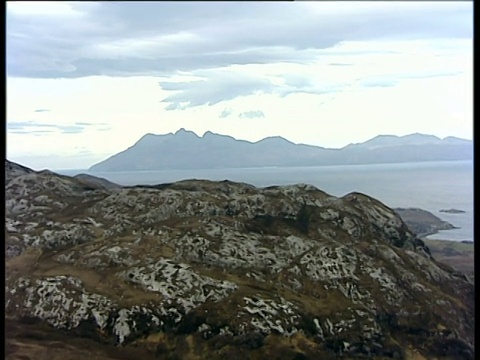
{"points": [[87, 80]]}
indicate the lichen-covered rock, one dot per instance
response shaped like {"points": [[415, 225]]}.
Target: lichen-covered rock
{"points": [[267, 315], [178, 282], [224, 265], [61, 301]]}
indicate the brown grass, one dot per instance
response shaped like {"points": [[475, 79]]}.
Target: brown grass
{"points": [[456, 254]]}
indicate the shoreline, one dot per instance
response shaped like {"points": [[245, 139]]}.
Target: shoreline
{"points": [[426, 236], [427, 225]]}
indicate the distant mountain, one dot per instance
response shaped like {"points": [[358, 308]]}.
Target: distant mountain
{"points": [[381, 141], [187, 150]]}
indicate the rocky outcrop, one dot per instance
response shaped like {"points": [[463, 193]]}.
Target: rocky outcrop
{"points": [[13, 170], [96, 182], [225, 265]]}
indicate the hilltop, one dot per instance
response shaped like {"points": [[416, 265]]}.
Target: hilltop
{"points": [[202, 269]]}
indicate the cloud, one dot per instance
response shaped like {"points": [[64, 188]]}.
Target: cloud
{"points": [[252, 114], [38, 133], [43, 9], [81, 123], [297, 80], [392, 79], [225, 113], [42, 110], [82, 150], [216, 86], [23, 125], [378, 82], [30, 127], [71, 129], [85, 152], [220, 85], [316, 88], [427, 74], [154, 38], [308, 84], [32, 132], [177, 106], [340, 64]]}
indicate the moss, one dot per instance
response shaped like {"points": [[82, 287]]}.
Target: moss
{"points": [[307, 324], [451, 349], [251, 340], [304, 218], [190, 322], [88, 329]]}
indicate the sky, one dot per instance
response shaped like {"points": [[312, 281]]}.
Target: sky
{"points": [[86, 80]]}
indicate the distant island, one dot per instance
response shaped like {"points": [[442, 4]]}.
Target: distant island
{"points": [[187, 150], [453, 211]]}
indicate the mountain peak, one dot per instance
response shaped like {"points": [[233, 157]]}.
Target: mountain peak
{"points": [[208, 133], [422, 137], [182, 131], [275, 139]]}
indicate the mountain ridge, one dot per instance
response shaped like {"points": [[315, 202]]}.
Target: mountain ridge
{"points": [[186, 150]]}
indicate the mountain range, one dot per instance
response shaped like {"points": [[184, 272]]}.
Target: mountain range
{"points": [[201, 269], [186, 150]]}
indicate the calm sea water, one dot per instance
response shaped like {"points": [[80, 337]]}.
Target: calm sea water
{"points": [[427, 185]]}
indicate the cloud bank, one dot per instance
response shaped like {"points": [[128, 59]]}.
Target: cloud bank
{"points": [[130, 38], [39, 128]]}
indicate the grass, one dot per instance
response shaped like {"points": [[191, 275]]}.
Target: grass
{"points": [[453, 253], [456, 245]]}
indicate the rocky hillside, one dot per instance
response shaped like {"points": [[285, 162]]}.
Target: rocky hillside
{"points": [[208, 270]]}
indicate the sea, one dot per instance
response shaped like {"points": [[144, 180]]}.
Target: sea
{"points": [[431, 186]]}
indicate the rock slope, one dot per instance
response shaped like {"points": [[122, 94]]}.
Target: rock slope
{"points": [[200, 269]]}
